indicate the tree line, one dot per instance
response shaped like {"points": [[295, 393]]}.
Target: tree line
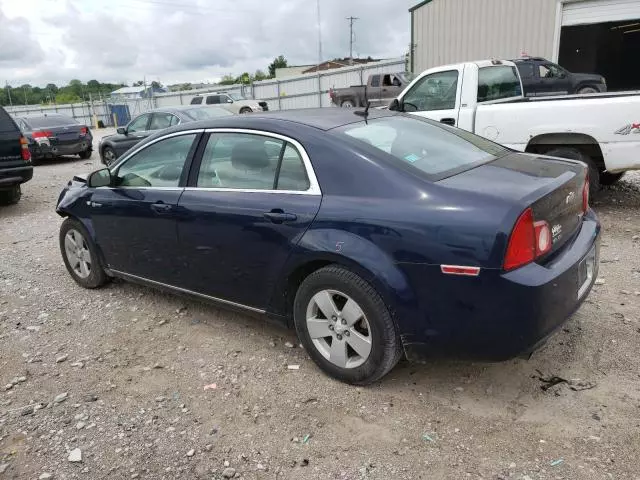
{"points": [[77, 91]]}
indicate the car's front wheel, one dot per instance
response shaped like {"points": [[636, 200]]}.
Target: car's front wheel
{"points": [[80, 255], [108, 156], [345, 326], [585, 90]]}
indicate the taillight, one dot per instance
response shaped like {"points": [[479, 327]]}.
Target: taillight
{"points": [[24, 149], [83, 131], [332, 94], [585, 194], [529, 240], [42, 134], [522, 244]]}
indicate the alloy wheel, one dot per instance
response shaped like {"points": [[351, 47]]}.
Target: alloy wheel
{"points": [[339, 329], [78, 253]]}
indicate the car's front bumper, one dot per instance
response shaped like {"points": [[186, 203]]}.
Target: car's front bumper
{"points": [[497, 315]]}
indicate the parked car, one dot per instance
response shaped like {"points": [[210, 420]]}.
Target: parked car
{"points": [[486, 98], [51, 135], [375, 235], [15, 160], [234, 102], [541, 77], [380, 90], [112, 147]]}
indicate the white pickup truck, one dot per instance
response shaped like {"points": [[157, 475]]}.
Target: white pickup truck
{"points": [[602, 130]]}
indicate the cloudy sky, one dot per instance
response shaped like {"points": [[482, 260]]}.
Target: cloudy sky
{"points": [[44, 41]]}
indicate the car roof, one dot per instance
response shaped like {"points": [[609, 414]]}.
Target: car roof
{"points": [[320, 118], [181, 108], [529, 59]]}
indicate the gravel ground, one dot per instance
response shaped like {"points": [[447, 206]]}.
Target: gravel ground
{"points": [[111, 383]]}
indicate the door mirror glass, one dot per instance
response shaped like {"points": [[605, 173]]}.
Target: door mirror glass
{"points": [[229, 100], [99, 178], [122, 130]]}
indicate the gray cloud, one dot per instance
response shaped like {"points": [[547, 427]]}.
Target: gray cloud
{"points": [[17, 44], [192, 40]]}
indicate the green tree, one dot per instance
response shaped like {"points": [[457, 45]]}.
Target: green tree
{"points": [[227, 80], [139, 83], [51, 87], [259, 75], [93, 85], [67, 97], [155, 85], [278, 62]]}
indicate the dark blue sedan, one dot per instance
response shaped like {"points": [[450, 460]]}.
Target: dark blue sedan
{"points": [[375, 234]]}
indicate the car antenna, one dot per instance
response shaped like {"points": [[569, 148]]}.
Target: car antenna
{"points": [[364, 113]]}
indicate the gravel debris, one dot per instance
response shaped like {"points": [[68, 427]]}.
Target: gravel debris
{"points": [[75, 456]]}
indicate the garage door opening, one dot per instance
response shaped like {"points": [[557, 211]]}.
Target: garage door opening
{"points": [[610, 49]]}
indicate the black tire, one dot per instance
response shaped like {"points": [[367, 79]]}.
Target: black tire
{"points": [[97, 276], [348, 103], [108, 156], [244, 110], [386, 347], [11, 196], [84, 155], [575, 154], [607, 178], [587, 89]]}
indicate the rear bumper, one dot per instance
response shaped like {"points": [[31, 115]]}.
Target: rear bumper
{"points": [[15, 176], [44, 150], [497, 316]]}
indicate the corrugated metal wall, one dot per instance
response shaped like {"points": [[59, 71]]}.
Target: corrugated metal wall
{"points": [[451, 31]]}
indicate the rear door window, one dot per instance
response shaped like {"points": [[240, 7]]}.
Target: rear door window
{"points": [[375, 80], [213, 100], [526, 70], [160, 121], [498, 82], [196, 101]]}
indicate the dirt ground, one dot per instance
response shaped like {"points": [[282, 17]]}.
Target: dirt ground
{"points": [[120, 374]]}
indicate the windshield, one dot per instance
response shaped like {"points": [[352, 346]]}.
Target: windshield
{"points": [[50, 121], [206, 113], [430, 149], [236, 96]]}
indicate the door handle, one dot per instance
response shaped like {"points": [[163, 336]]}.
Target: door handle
{"points": [[448, 121], [161, 207], [279, 216]]}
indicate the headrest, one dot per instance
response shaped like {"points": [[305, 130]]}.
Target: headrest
{"points": [[250, 155]]}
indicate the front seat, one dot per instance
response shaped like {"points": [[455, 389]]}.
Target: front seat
{"points": [[251, 166]]}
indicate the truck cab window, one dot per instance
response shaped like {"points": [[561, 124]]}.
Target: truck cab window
{"points": [[375, 80], [433, 92], [496, 83]]}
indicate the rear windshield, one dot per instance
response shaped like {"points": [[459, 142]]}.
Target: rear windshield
{"points": [[57, 121], [433, 150], [496, 83], [206, 113]]}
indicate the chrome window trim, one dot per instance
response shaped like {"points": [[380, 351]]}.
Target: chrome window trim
{"points": [[126, 157], [314, 186], [188, 292]]}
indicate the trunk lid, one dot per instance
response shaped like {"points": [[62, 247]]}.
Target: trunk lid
{"points": [[552, 187], [66, 134]]}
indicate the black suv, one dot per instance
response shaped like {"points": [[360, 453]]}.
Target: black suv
{"points": [[15, 160], [541, 77]]}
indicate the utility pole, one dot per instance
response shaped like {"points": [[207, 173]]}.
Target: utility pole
{"points": [[8, 92], [319, 37], [351, 38]]}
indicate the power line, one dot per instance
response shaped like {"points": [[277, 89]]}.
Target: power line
{"points": [[351, 38], [319, 37]]}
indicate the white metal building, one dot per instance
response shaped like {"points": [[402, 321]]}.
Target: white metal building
{"points": [[587, 36]]}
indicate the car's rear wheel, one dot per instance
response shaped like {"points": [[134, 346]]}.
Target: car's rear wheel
{"points": [[585, 90], [348, 103], [80, 255], [607, 178], [575, 154], [245, 110], [345, 326], [85, 154], [108, 156], [11, 195]]}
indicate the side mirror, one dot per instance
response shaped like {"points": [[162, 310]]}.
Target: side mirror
{"points": [[122, 130], [229, 100], [395, 105], [99, 178]]}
